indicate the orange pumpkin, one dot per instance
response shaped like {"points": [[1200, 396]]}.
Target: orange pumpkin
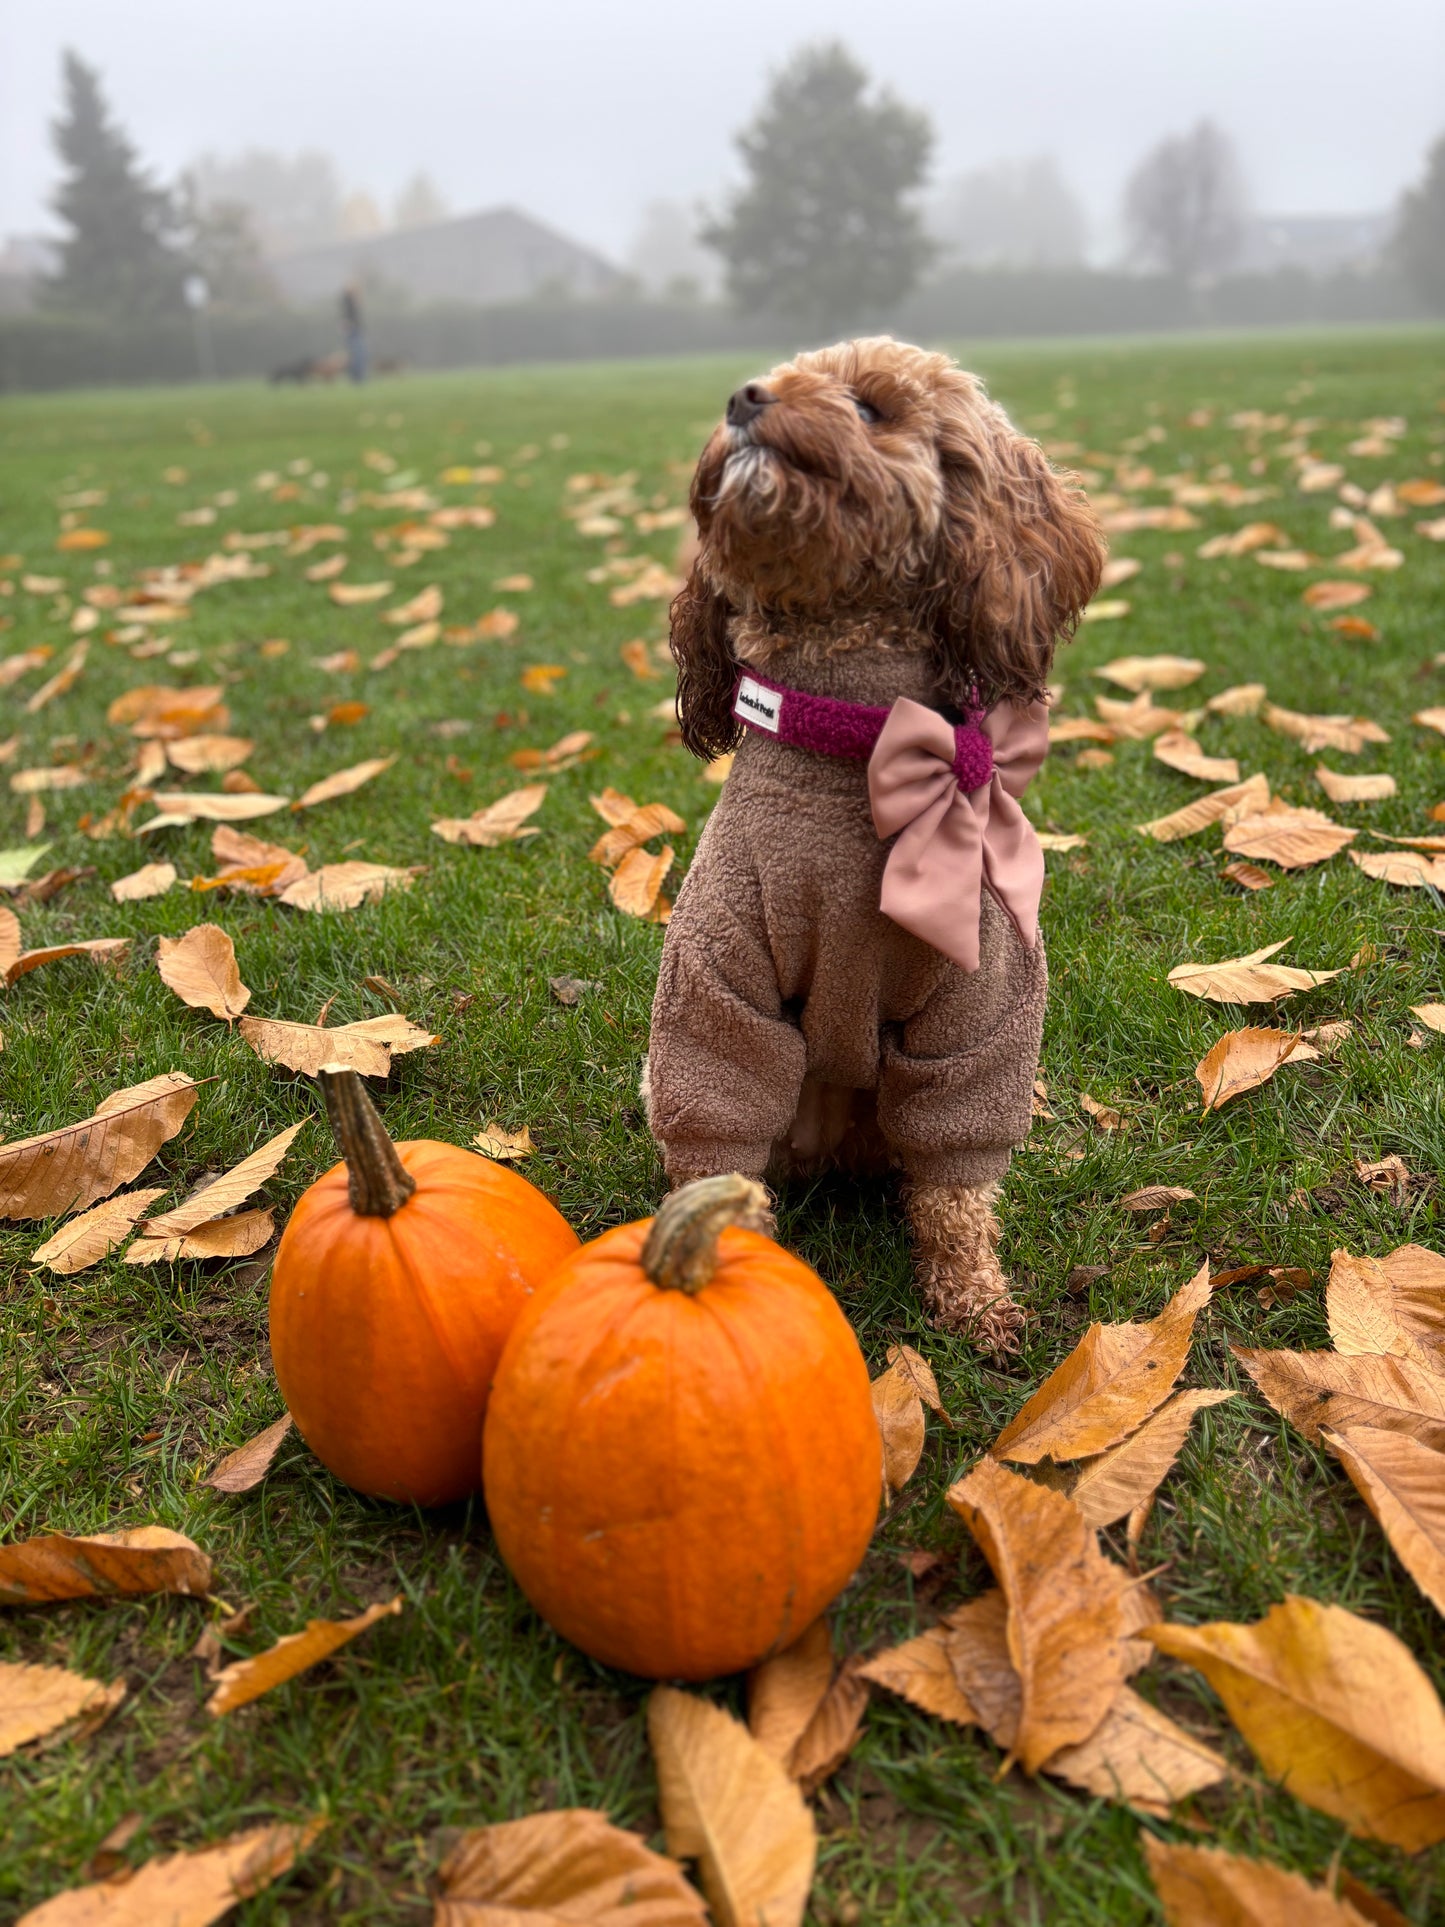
{"points": [[682, 1465], [396, 1283]]}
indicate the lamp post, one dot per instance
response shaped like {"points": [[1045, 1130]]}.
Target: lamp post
{"points": [[198, 295]]}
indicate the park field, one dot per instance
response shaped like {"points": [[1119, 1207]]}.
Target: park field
{"points": [[123, 1384]]}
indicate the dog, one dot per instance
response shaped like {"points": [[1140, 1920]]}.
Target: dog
{"points": [[852, 975]]}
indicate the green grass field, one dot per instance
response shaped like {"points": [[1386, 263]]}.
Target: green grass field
{"points": [[122, 1386]]}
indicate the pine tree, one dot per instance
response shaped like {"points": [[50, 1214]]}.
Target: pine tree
{"points": [[119, 258], [1418, 246], [825, 229]]}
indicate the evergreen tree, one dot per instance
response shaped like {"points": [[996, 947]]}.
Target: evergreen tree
{"points": [[118, 258], [825, 228], [1418, 245]]}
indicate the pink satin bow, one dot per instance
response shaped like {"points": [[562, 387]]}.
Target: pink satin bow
{"points": [[950, 842]]}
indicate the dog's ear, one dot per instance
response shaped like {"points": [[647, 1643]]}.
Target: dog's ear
{"points": [[706, 672], [1022, 553]]}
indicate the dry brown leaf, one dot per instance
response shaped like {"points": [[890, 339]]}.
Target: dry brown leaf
{"points": [[1416, 1277], [1432, 1016], [833, 1731], [65, 678], [1139, 720], [150, 880], [1430, 719], [1241, 699], [347, 595], [63, 1171], [921, 1672], [11, 942], [499, 822], [1403, 1484], [1131, 1472], [1073, 729], [1108, 1385], [103, 949], [1065, 1628], [1139, 1756], [342, 782], [977, 1645], [1360, 1305], [920, 1371], [899, 1412], [234, 1237], [1407, 868], [1152, 672], [1336, 1711], [572, 1865], [86, 1239], [367, 1046], [198, 754], [567, 753], [784, 1692], [1336, 595], [201, 969], [232, 1187], [181, 1889], [1181, 752], [1242, 1060], [244, 1468], [238, 850], [35, 1700], [1313, 1389], [637, 880], [1104, 1115], [1206, 1887], [247, 1679], [1354, 789], [1204, 810], [211, 806], [426, 604], [1348, 734], [62, 776], [1289, 836], [102, 1565], [1247, 980], [1157, 1197], [344, 886], [1248, 876], [727, 1804], [502, 1146]]}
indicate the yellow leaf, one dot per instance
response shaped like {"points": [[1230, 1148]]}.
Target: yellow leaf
{"points": [[234, 1237], [1204, 810], [244, 1468], [832, 1733], [1354, 789], [342, 782], [1108, 1385], [1288, 836], [637, 880], [212, 806], [1242, 699], [1313, 1389], [1336, 1711], [197, 754], [35, 1700], [82, 539], [182, 1889], [1206, 1887], [921, 1672], [1152, 672], [55, 776], [1407, 868], [1403, 1484], [784, 1692], [1348, 734], [247, 1679], [88, 1238], [504, 1147], [1181, 752], [367, 1046], [1335, 595], [1242, 1060], [1129, 1473], [1138, 1755], [347, 594], [63, 1171], [143, 1559], [899, 1412], [103, 949], [201, 969], [423, 607], [635, 655], [499, 822], [1139, 720], [233, 1187], [727, 1804], [344, 886], [572, 1865], [1247, 980], [542, 677], [1360, 1306], [150, 880]]}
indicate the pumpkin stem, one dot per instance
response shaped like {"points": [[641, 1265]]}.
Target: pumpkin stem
{"points": [[681, 1249], [378, 1183]]}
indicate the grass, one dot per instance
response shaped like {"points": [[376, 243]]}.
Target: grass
{"points": [[121, 1386]]}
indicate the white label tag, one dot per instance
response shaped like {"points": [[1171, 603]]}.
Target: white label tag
{"points": [[763, 708]]}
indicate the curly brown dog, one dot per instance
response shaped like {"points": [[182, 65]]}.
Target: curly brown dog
{"points": [[853, 974]]}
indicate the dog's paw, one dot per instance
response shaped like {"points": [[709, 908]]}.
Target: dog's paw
{"points": [[979, 1308]]}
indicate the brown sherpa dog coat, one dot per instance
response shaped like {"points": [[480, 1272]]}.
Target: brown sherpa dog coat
{"points": [[871, 528]]}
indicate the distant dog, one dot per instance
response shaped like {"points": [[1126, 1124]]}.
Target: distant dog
{"points": [[853, 972], [308, 369]]}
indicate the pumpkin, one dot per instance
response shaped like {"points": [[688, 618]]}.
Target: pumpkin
{"points": [[395, 1285], [681, 1460]]}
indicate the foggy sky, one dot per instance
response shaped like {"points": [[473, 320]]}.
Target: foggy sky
{"points": [[581, 110]]}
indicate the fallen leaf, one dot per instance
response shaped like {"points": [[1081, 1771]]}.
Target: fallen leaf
{"points": [[1064, 1626], [86, 1239], [1156, 1197], [1107, 610], [201, 969], [899, 1412], [1430, 719], [234, 1237], [1103, 1115], [1204, 810], [1152, 672], [541, 678], [1141, 1757], [1391, 1175], [637, 880], [367, 1046], [572, 1865], [1108, 1385], [181, 1889], [1059, 840], [342, 782], [197, 754], [143, 1559], [784, 1692], [16, 864], [1247, 980], [635, 655], [1242, 1060], [1335, 595], [1432, 1016], [344, 886], [55, 776], [150, 880], [1336, 1711], [1139, 720], [499, 822], [1348, 734], [909, 1362], [1315, 1389], [245, 856], [35, 1700], [566, 753], [65, 1170], [210, 806], [921, 1672], [1407, 868], [1416, 1278], [1069, 729], [1248, 876], [64, 679], [1206, 1887], [1242, 699], [1360, 1307], [1354, 789], [347, 595], [423, 606], [1403, 1484], [233, 1187], [504, 1147], [1130, 1473], [1181, 752], [1287, 835], [247, 1679], [103, 949], [245, 1468], [727, 1804], [833, 1731]]}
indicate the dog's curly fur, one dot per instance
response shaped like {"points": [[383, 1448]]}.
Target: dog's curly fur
{"points": [[877, 497]]}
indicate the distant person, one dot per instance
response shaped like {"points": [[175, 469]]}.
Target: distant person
{"points": [[355, 333]]}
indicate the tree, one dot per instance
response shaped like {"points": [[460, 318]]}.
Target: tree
{"points": [[1015, 214], [666, 255], [419, 203], [120, 256], [294, 200], [1418, 243], [223, 248], [1184, 204], [825, 228]]}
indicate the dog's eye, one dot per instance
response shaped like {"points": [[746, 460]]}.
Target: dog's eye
{"points": [[866, 411]]}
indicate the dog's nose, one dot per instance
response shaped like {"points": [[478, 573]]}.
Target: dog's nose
{"points": [[748, 403]]}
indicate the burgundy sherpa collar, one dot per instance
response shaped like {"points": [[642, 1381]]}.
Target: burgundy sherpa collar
{"points": [[831, 727]]}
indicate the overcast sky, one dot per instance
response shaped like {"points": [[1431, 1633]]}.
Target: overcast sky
{"points": [[581, 110]]}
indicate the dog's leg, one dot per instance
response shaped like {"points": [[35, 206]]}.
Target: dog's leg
{"points": [[955, 1242]]}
